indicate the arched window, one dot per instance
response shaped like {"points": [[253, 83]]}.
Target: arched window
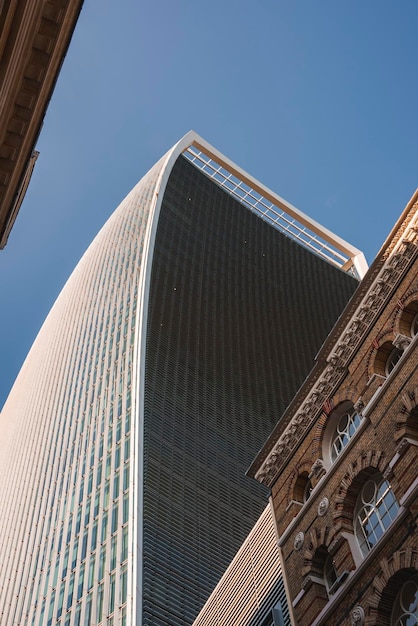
{"points": [[392, 359], [303, 488], [308, 490], [344, 429], [323, 568], [405, 607], [341, 425], [330, 574], [387, 357], [408, 322], [376, 508]]}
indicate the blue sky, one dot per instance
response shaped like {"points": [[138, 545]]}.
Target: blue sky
{"points": [[318, 100]]}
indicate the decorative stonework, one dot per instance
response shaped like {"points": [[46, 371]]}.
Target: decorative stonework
{"points": [[401, 342], [399, 562], [318, 536], [35, 37], [406, 419], [335, 544], [323, 507], [375, 298], [320, 426], [410, 400], [366, 464], [404, 445], [318, 470], [357, 616], [295, 493], [359, 406], [299, 540]]}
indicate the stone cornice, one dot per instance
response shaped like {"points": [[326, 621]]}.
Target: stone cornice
{"points": [[34, 41], [322, 384]]}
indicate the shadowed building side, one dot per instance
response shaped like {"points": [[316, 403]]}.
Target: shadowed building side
{"points": [[232, 329], [34, 37]]}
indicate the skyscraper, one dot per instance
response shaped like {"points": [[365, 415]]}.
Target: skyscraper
{"points": [[182, 334], [251, 592]]}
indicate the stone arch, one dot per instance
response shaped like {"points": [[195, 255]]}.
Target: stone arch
{"points": [[394, 571], [318, 435], [406, 311], [381, 347], [369, 462], [301, 472], [318, 537], [342, 395], [406, 419]]}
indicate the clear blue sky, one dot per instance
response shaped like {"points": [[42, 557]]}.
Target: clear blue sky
{"points": [[318, 100]]}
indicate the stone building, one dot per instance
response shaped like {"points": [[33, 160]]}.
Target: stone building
{"points": [[34, 38], [342, 461]]}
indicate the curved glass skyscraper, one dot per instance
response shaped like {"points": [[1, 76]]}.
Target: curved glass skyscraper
{"points": [[179, 339]]}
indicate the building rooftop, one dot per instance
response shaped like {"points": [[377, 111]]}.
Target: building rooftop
{"points": [[272, 208]]}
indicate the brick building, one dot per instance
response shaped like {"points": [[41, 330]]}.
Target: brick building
{"points": [[342, 461]]}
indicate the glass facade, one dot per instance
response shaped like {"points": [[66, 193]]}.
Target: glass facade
{"points": [[73, 444], [177, 342]]}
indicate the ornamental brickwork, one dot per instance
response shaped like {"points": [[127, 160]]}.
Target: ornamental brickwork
{"points": [[342, 463]]}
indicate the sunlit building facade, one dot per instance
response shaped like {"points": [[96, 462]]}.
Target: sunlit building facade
{"points": [[182, 334], [252, 590], [344, 485]]}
